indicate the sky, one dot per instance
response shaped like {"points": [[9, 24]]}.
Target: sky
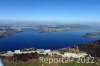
{"points": [[50, 10]]}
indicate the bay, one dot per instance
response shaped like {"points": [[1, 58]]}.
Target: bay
{"points": [[49, 40]]}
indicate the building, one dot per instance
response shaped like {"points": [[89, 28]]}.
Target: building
{"points": [[55, 52], [9, 51], [48, 51], [8, 54], [17, 51], [74, 55], [40, 50]]}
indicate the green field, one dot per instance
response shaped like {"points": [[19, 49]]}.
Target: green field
{"points": [[37, 63]]}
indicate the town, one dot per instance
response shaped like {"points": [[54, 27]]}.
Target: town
{"points": [[45, 52]]}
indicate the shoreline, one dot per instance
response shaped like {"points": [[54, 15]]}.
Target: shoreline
{"points": [[33, 48], [81, 50]]}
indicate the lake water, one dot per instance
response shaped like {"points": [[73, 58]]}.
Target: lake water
{"points": [[53, 40]]}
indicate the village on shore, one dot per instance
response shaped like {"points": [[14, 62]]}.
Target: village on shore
{"points": [[75, 53]]}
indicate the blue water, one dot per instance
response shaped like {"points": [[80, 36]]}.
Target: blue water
{"points": [[53, 40]]}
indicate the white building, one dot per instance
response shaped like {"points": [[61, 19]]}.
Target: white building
{"points": [[48, 51], [55, 52], [9, 51], [8, 54], [74, 55], [17, 51], [40, 50]]}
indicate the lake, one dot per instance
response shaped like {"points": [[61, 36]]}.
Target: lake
{"points": [[51, 40]]}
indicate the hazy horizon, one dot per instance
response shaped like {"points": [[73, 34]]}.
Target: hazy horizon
{"points": [[45, 11]]}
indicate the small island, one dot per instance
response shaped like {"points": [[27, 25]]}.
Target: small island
{"points": [[92, 35], [8, 31], [58, 28]]}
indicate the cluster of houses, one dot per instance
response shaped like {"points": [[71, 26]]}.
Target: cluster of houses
{"points": [[44, 52]]}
